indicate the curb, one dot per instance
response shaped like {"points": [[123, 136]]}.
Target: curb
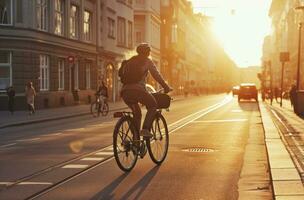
{"points": [[51, 118], [285, 179], [27, 122]]}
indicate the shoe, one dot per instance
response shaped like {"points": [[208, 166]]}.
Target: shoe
{"points": [[146, 133]]}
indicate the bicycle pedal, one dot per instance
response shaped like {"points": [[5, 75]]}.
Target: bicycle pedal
{"points": [[142, 150]]}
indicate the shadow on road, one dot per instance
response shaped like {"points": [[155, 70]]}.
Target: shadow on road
{"points": [[107, 192], [248, 105], [139, 187]]}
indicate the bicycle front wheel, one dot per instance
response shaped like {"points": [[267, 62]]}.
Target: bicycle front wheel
{"points": [[105, 109], [125, 151], [95, 109], [159, 143]]}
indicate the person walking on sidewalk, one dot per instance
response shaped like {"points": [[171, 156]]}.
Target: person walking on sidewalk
{"points": [[11, 98], [30, 94], [292, 95], [276, 94]]}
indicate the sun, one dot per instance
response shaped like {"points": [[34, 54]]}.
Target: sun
{"points": [[240, 26]]}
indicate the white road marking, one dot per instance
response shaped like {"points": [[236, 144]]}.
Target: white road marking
{"points": [[28, 140], [220, 121], [110, 122], [109, 148], [6, 183], [93, 159], [53, 134], [75, 166], [8, 145], [35, 183], [236, 111], [104, 153], [97, 125], [212, 108], [76, 129]]}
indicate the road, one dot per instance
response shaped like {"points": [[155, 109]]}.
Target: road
{"points": [[216, 152]]}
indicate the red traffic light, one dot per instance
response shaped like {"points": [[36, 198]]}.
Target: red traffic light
{"points": [[71, 59]]}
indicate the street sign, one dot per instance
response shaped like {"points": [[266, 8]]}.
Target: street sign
{"points": [[284, 56], [71, 59]]}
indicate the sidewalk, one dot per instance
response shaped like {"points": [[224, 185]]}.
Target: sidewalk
{"points": [[284, 168], [22, 117]]}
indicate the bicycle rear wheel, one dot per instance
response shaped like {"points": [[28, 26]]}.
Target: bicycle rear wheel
{"points": [[159, 143], [105, 109], [125, 151], [95, 107]]}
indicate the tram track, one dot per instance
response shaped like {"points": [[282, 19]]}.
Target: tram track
{"points": [[173, 126]]}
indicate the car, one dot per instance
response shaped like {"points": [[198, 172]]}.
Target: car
{"points": [[248, 91], [235, 90]]}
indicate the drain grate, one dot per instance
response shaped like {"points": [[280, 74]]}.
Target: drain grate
{"points": [[198, 150]]}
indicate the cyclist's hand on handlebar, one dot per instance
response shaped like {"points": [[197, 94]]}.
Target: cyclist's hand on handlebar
{"points": [[168, 89]]}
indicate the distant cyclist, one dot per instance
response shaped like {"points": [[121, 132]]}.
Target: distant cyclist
{"points": [[102, 93], [133, 73]]}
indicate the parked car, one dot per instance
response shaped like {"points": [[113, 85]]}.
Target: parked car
{"points": [[248, 91], [235, 90]]}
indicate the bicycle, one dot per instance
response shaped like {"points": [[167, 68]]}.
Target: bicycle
{"points": [[98, 107], [127, 145]]}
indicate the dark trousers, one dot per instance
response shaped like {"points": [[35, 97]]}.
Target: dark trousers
{"points": [[11, 105], [132, 98]]}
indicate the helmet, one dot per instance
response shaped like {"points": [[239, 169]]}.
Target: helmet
{"points": [[143, 49]]}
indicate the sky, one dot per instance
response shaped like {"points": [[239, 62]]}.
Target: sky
{"points": [[240, 26]]}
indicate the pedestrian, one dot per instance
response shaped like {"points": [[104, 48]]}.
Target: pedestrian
{"points": [[30, 94], [11, 98], [271, 96], [292, 95], [276, 93]]}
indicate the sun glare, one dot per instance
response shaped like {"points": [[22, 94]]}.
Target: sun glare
{"points": [[239, 25]]}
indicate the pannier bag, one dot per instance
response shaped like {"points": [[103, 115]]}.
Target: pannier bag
{"points": [[163, 100]]}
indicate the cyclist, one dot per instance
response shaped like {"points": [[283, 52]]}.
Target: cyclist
{"points": [[102, 94], [134, 93]]}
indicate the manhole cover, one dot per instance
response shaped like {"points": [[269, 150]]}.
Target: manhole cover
{"points": [[198, 150]]}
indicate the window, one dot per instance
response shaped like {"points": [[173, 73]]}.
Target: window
{"points": [[42, 14], [44, 73], [19, 12], [87, 25], [88, 76], [74, 22], [138, 37], [61, 74], [76, 82], [121, 31], [59, 17], [130, 34], [5, 12], [111, 28], [174, 33], [5, 69]]}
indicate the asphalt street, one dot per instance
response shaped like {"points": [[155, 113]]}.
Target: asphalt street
{"points": [[208, 157]]}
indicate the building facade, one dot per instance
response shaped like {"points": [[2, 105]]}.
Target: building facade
{"points": [[285, 38], [36, 39], [147, 28], [115, 42], [191, 58]]}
